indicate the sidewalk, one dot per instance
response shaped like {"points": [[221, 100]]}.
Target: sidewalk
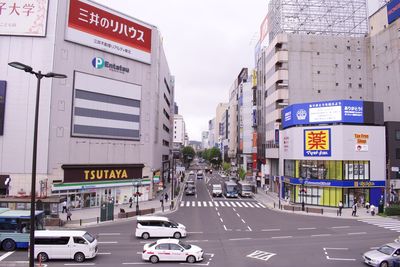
{"points": [[271, 200], [91, 216]]}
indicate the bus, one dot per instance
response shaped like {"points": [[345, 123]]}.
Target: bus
{"points": [[230, 189], [245, 189], [14, 227]]}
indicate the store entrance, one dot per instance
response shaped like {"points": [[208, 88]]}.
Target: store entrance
{"points": [[355, 195]]}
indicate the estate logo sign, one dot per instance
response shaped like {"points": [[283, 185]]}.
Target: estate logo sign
{"points": [[100, 63]]}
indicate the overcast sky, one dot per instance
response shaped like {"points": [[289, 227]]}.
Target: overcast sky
{"points": [[207, 43]]}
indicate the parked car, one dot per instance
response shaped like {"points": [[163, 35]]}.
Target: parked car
{"points": [[171, 250], [383, 256], [190, 189], [157, 226], [216, 190]]}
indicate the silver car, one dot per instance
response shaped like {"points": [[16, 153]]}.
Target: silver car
{"points": [[383, 256]]}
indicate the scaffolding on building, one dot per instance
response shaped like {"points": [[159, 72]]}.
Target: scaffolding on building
{"points": [[326, 17]]}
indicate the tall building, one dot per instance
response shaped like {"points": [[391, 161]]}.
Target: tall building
{"points": [[233, 123], [307, 52], [219, 122], [105, 126], [204, 139], [179, 139], [212, 141]]}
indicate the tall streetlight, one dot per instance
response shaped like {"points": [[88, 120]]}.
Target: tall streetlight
{"points": [[137, 195], [39, 77]]}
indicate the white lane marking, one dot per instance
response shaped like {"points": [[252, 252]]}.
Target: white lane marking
{"points": [[182, 203], [6, 255], [358, 233], [222, 204], [278, 237], [195, 232], [210, 203], [107, 242], [262, 206], [239, 205], [219, 214], [244, 204], [339, 259], [233, 209], [243, 238], [249, 228], [243, 221], [135, 263], [187, 203], [340, 227], [321, 235], [193, 204], [250, 205], [233, 204], [238, 214], [227, 204], [225, 227], [337, 248], [205, 203], [256, 205], [270, 230], [199, 203], [221, 220], [216, 204], [79, 264], [307, 228], [101, 234], [109, 253]]}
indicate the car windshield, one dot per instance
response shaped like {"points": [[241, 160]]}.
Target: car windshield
{"points": [[216, 186], [231, 188], [89, 237], [173, 223], [388, 250], [246, 187], [152, 244], [185, 246]]}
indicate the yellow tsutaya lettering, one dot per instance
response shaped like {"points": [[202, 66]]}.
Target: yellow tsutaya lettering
{"points": [[112, 174], [118, 173], [86, 174], [99, 174], [92, 175], [124, 174], [106, 174]]}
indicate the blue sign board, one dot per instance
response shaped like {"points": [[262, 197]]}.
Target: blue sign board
{"points": [[3, 85], [393, 10], [345, 111], [334, 183]]}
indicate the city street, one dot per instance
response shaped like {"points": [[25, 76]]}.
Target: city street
{"points": [[239, 232]]}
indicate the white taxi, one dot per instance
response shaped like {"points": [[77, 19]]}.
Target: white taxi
{"points": [[171, 250]]}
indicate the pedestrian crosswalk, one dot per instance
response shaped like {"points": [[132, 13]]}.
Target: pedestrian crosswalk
{"points": [[387, 223], [224, 204]]}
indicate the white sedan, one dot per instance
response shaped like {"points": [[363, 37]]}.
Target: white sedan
{"points": [[171, 250]]}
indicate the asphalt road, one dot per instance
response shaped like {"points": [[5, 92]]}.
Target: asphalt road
{"points": [[239, 232]]}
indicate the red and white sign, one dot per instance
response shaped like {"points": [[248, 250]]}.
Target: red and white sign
{"points": [[92, 25], [23, 17]]}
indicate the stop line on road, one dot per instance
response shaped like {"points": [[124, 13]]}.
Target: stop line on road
{"points": [[229, 204]]}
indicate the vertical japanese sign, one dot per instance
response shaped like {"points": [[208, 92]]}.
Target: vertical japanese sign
{"points": [[317, 143], [3, 85], [92, 25], [23, 17]]}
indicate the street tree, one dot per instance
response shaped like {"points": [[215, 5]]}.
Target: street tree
{"points": [[188, 154]]}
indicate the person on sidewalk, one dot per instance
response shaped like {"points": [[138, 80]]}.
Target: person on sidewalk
{"points": [[340, 206], [166, 197], [354, 208], [367, 206], [64, 205], [130, 202], [372, 208], [69, 213]]}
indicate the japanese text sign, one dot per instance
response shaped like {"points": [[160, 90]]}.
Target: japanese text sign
{"points": [[91, 25], [317, 143], [23, 17]]}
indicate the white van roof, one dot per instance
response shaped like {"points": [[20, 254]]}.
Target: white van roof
{"points": [[56, 233], [152, 218]]}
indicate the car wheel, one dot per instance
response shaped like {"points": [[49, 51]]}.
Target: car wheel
{"points": [[42, 257], [154, 259], [79, 257], [8, 245], [177, 235], [145, 236], [191, 259], [384, 264]]}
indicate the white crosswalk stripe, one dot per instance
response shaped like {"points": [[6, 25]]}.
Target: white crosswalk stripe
{"points": [[193, 204], [204, 203], [216, 204], [210, 203], [222, 204], [387, 223], [239, 205], [227, 203], [244, 204], [199, 203], [233, 204], [187, 204], [250, 205], [230, 204], [182, 204]]}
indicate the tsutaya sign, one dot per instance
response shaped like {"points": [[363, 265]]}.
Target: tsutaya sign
{"points": [[101, 173]]}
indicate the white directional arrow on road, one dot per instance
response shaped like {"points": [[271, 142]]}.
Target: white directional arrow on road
{"points": [[261, 255]]}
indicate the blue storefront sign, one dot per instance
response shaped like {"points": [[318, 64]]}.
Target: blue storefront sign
{"points": [[344, 111], [334, 183], [393, 10]]}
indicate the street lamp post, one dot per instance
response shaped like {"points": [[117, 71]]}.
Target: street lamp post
{"points": [[39, 75], [302, 180], [137, 195]]}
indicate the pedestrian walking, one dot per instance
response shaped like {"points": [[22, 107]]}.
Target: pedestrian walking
{"points": [[367, 206], [354, 208], [340, 206], [372, 209], [166, 197], [64, 205], [69, 213], [130, 202]]}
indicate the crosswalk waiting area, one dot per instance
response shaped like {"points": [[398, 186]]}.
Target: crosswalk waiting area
{"points": [[387, 223], [228, 204]]}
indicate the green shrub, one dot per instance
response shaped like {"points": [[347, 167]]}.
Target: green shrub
{"points": [[392, 210]]}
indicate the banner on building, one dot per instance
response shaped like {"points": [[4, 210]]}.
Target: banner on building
{"points": [[393, 10], [3, 85], [317, 142]]}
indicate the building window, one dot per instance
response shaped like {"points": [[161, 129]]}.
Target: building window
{"points": [[397, 135], [317, 53], [350, 85], [349, 66], [360, 85], [397, 153], [318, 72], [356, 170], [337, 84], [348, 47], [165, 157], [165, 142], [319, 91], [165, 128]]}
